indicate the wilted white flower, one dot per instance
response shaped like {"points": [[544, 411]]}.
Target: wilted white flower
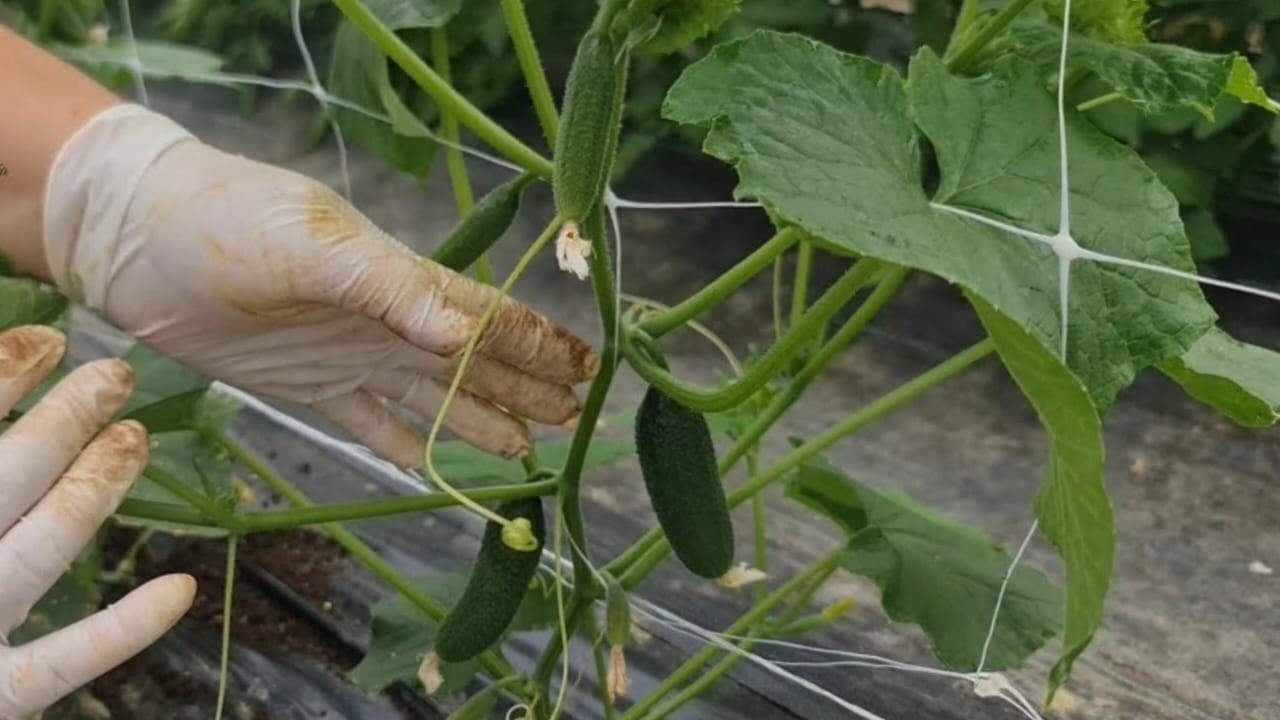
{"points": [[617, 680], [740, 576], [572, 251], [429, 673]]}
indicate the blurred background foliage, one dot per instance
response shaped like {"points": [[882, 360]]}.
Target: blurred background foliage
{"points": [[1224, 171]]}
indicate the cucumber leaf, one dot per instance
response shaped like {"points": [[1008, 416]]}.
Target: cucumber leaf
{"points": [[685, 21], [828, 141], [1155, 77], [402, 635], [358, 73], [27, 302], [1115, 21], [1073, 507], [933, 572], [1239, 380]]}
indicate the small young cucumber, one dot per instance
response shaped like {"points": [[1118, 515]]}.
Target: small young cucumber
{"points": [[589, 126], [617, 613], [483, 226], [678, 462], [497, 586]]}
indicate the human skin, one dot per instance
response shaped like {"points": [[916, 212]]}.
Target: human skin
{"points": [[45, 102]]}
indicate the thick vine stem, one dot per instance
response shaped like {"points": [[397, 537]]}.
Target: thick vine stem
{"points": [[722, 287], [544, 104], [444, 94], [492, 661], [736, 392], [757, 613], [584, 584], [985, 34], [815, 579], [270, 520], [653, 548], [455, 162]]}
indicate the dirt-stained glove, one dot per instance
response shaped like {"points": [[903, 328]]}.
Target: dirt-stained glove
{"points": [[269, 281], [61, 476]]}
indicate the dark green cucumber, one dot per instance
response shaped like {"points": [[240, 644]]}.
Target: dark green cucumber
{"points": [[498, 584], [589, 126], [679, 466], [483, 226]]}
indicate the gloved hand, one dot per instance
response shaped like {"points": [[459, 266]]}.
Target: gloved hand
{"points": [[268, 280], [60, 478]]}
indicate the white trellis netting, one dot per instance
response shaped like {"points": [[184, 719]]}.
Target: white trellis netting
{"points": [[987, 685]]}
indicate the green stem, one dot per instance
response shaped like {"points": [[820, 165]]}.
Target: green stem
{"points": [[800, 289], [185, 492], [656, 546], [693, 665], [531, 65], [492, 662], [584, 589], [985, 34], [449, 99], [731, 660], [1099, 101], [607, 12], [853, 327], [228, 592], [766, 367], [964, 23], [269, 520], [455, 162], [760, 537], [721, 288], [776, 299]]}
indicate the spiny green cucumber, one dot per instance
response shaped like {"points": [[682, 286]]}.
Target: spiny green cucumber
{"points": [[494, 591], [678, 462], [589, 126], [483, 226]]}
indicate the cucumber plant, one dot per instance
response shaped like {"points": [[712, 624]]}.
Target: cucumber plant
{"points": [[937, 168]]}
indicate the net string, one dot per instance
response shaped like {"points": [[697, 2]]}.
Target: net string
{"points": [[1064, 246]]}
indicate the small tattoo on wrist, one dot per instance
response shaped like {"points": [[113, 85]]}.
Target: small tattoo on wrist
{"points": [[3, 170]]}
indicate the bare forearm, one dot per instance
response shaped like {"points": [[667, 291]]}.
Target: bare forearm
{"points": [[46, 101]]}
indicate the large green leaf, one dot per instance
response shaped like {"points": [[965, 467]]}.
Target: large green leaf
{"points": [[1073, 507], [169, 397], [935, 573], [828, 141], [1240, 380], [358, 74], [27, 302], [1116, 21], [1156, 78], [161, 59], [684, 21], [402, 635]]}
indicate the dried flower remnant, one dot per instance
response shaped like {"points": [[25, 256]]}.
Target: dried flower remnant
{"points": [[741, 575], [429, 673], [618, 681], [572, 251]]}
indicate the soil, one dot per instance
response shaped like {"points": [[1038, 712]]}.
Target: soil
{"points": [[304, 562]]}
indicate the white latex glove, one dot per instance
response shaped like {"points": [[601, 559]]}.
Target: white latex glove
{"points": [[268, 280], [60, 478]]}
